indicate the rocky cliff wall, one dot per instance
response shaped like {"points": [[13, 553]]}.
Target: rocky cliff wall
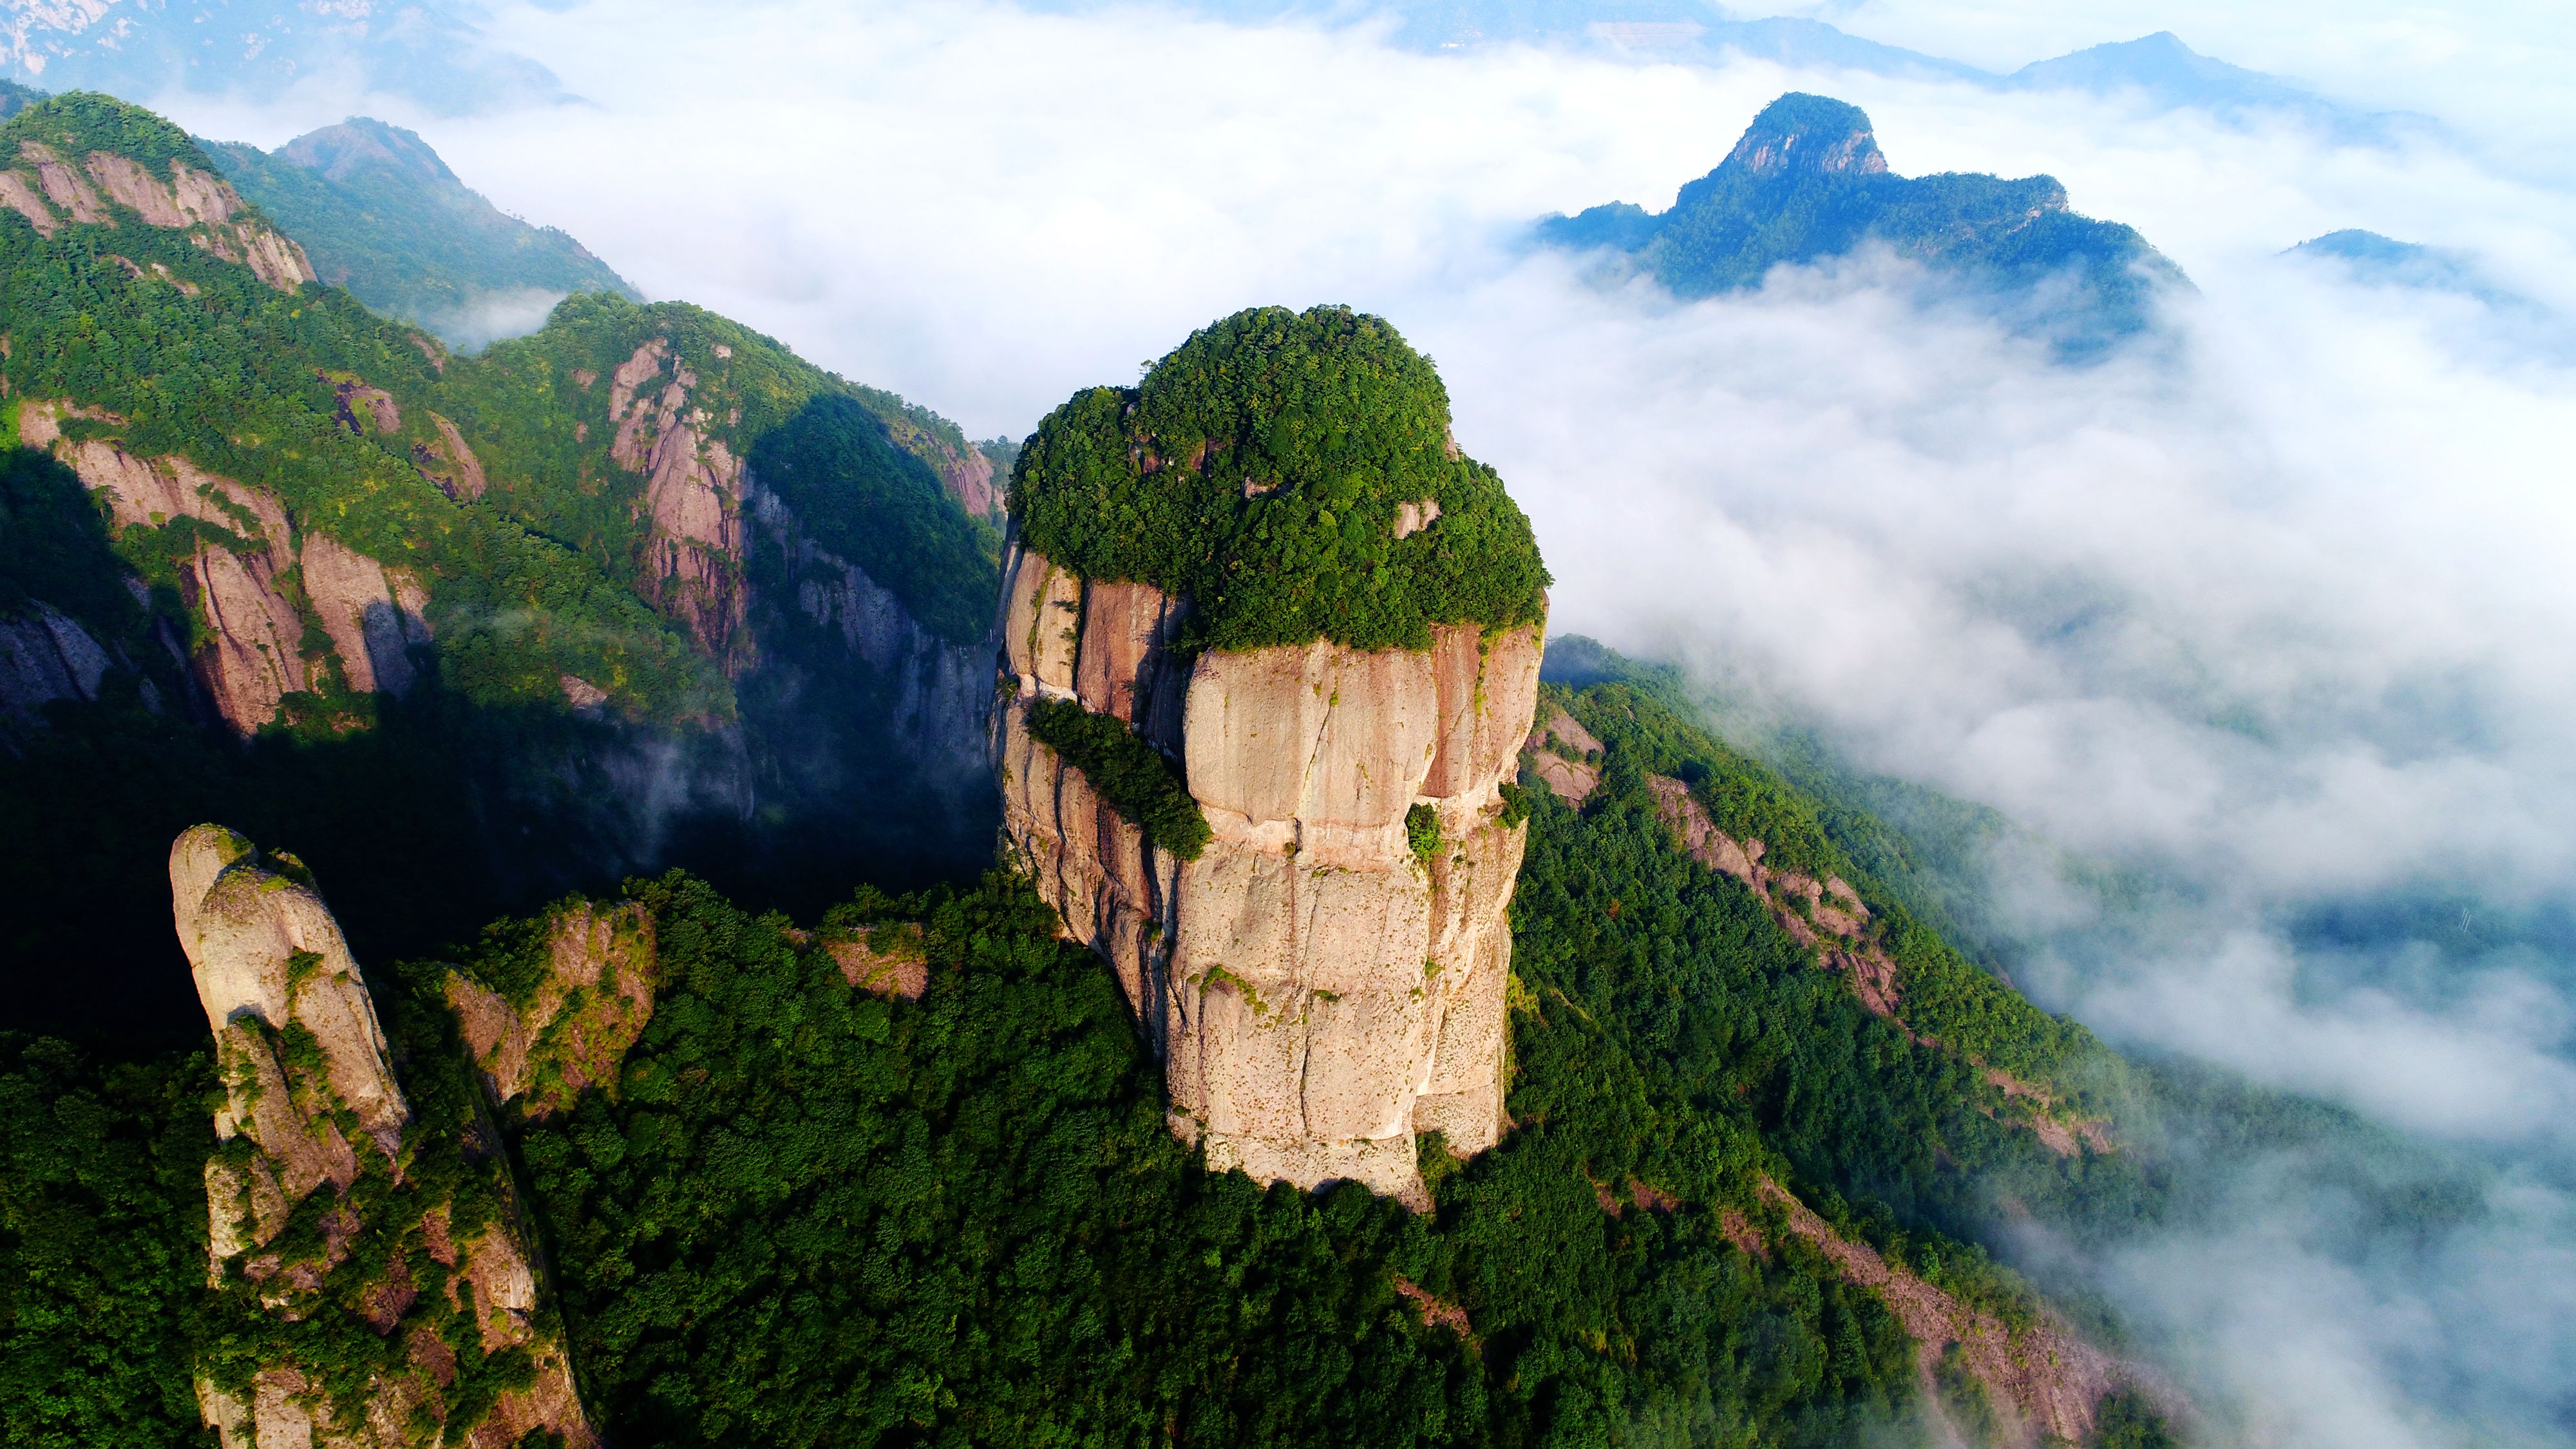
{"points": [[692, 494], [250, 596], [1320, 989], [422, 1237], [936, 695], [52, 190]]}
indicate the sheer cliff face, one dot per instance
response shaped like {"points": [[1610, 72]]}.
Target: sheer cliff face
{"points": [[1320, 990], [325, 1193], [250, 578]]}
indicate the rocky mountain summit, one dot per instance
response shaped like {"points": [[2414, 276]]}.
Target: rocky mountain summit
{"points": [[1807, 182], [1322, 962]]}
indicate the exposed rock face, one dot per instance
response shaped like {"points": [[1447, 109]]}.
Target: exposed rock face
{"points": [[45, 656], [968, 477], [1320, 992], [940, 691], [692, 492], [311, 1099], [253, 653], [593, 1000], [373, 618], [890, 960], [203, 204], [1566, 758]]}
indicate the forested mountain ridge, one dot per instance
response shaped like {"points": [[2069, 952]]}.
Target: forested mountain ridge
{"points": [[1807, 182], [382, 215], [603, 578], [904, 1175]]}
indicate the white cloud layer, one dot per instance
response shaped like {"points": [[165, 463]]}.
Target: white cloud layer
{"points": [[2282, 611]]}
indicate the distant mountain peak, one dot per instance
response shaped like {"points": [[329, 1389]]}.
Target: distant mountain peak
{"points": [[1807, 182], [363, 143], [1804, 133]]}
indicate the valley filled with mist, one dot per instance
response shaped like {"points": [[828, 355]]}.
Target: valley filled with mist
{"points": [[1971, 600]]}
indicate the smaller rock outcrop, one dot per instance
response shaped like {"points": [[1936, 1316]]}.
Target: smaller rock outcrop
{"points": [[568, 1026], [326, 1197], [51, 191], [692, 493], [1565, 757], [45, 656], [252, 655]]}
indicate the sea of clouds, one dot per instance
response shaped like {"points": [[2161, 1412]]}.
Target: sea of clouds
{"points": [[2276, 610]]}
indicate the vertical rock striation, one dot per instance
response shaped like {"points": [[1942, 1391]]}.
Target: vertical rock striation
{"points": [[1325, 977], [1321, 991]]}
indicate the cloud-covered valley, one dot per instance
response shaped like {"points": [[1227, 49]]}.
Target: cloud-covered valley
{"points": [[2272, 609]]}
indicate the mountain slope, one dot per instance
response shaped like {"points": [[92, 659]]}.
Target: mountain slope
{"points": [[1807, 182], [381, 215], [1734, 1195], [641, 587]]}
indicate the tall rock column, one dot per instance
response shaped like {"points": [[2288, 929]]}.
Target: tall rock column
{"points": [[409, 1233], [1320, 989], [1324, 976]]}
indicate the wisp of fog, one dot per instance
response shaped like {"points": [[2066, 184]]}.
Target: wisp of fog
{"points": [[2270, 610]]}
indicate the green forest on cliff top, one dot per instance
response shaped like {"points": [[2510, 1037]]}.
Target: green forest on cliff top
{"points": [[809, 1215], [1259, 469]]}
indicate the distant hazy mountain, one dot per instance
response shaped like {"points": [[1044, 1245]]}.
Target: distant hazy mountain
{"points": [[1808, 182], [2158, 68], [2161, 69], [14, 98], [2381, 259], [2506, 317], [381, 215], [144, 48]]}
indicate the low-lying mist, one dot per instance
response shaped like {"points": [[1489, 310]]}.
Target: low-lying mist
{"points": [[2259, 627]]}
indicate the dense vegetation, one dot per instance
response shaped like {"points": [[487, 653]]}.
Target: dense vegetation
{"points": [[381, 215], [804, 1214], [1646, 714], [2082, 280], [1260, 469], [812, 1216], [102, 1246], [1133, 776], [482, 790]]}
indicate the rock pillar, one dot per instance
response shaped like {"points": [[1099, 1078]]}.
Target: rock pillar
{"points": [[312, 1105], [1322, 983]]}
